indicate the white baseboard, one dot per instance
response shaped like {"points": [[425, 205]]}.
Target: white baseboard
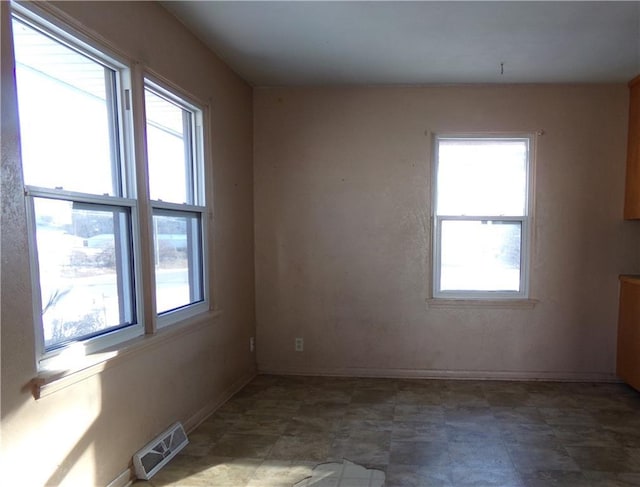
{"points": [[445, 374], [126, 477]]}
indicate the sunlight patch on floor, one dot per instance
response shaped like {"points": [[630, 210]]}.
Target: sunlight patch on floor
{"points": [[345, 474]]}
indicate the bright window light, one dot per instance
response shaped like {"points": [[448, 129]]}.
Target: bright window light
{"points": [[87, 222], [84, 262], [67, 114], [71, 159], [481, 221], [175, 185]]}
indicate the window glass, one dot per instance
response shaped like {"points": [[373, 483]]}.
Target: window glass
{"points": [[175, 187], [84, 262], [67, 116], [481, 221], [178, 259], [169, 149], [480, 255], [482, 177], [83, 217]]}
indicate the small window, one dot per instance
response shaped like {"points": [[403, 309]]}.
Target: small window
{"points": [[73, 163], [481, 221], [174, 153]]}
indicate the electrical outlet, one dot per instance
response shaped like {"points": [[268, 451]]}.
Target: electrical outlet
{"points": [[299, 345], [252, 344]]}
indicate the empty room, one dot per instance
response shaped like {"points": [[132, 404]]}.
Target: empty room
{"points": [[313, 244]]}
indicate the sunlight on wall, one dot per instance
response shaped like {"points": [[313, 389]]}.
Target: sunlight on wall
{"points": [[55, 430]]}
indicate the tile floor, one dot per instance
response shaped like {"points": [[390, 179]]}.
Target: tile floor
{"points": [[419, 432]]}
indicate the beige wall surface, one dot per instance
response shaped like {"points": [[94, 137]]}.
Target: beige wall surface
{"points": [[343, 236], [86, 433]]}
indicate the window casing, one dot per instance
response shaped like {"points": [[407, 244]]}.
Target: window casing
{"points": [[77, 121], [482, 221]]}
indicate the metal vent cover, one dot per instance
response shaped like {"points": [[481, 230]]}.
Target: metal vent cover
{"points": [[159, 451]]}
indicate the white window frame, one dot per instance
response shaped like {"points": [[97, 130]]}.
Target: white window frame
{"points": [[129, 96], [525, 221], [198, 190]]}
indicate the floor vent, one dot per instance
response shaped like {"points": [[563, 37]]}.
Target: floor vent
{"points": [[158, 452]]}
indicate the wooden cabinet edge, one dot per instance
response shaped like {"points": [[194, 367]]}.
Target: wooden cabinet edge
{"points": [[632, 174], [630, 278], [628, 336]]}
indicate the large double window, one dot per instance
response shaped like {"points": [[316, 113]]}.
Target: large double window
{"points": [[482, 217], [82, 164]]}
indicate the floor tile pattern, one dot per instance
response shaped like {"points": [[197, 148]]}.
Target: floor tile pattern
{"points": [[419, 432]]}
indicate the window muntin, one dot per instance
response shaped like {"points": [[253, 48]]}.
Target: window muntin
{"points": [[481, 222], [176, 167]]}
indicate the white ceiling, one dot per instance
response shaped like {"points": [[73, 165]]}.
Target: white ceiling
{"points": [[393, 42]]}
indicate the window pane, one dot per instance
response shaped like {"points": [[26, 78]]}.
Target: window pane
{"points": [[480, 255], [178, 267], [84, 261], [66, 116], [482, 177], [169, 150]]}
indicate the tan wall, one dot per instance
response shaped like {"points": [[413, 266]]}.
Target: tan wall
{"points": [[86, 433], [342, 209]]}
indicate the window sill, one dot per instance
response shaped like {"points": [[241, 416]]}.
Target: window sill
{"points": [[49, 381], [482, 303]]}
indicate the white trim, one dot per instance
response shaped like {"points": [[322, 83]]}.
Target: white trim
{"points": [[133, 192], [35, 281], [199, 206], [209, 217], [178, 207], [526, 223], [171, 317], [47, 23], [504, 303], [145, 253], [58, 358], [185, 102], [124, 479], [73, 196]]}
